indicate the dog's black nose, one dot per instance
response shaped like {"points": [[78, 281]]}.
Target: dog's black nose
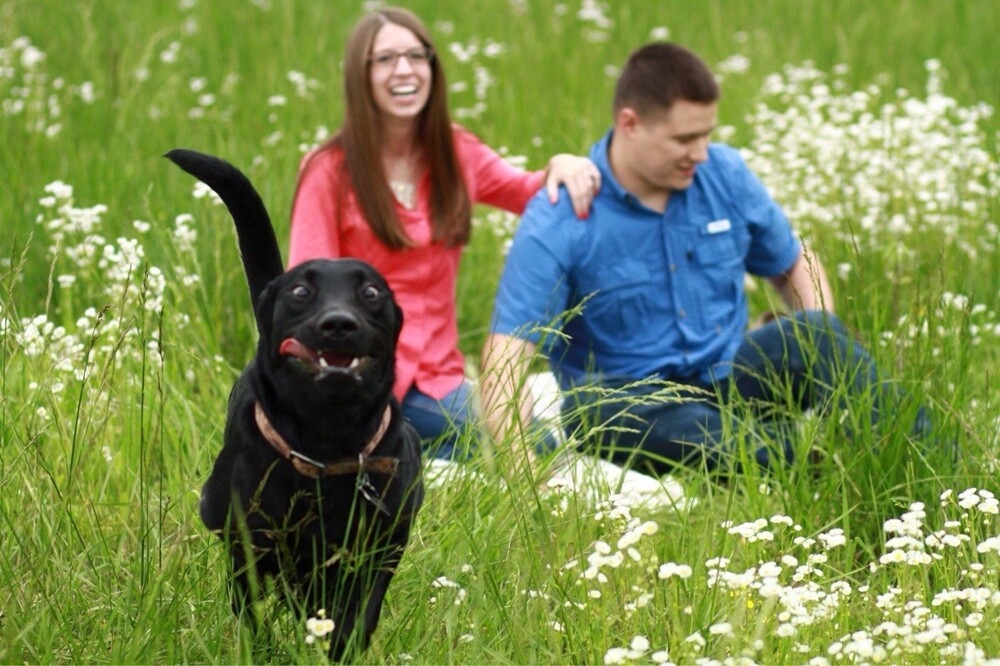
{"points": [[338, 324]]}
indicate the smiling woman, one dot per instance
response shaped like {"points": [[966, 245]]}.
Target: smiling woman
{"points": [[395, 186], [400, 77]]}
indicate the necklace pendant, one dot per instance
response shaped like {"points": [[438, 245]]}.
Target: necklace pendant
{"points": [[404, 192]]}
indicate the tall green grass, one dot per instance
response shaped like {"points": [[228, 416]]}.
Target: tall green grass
{"points": [[120, 341]]}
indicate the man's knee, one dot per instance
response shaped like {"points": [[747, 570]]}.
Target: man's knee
{"points": [[657, 436], [815, 322]]}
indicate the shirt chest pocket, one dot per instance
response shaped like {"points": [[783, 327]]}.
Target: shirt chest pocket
{"points": [[617, 302], [716, 276], [712, 249]]}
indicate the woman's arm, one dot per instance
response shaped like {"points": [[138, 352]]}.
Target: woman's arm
{"points": [[314, 228], [494, 181]]}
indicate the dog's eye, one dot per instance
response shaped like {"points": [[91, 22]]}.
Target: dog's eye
{"points": [[300, 291], [370, 292]]}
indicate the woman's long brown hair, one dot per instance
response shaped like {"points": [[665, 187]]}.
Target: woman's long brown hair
{"points": [[360, 139]]}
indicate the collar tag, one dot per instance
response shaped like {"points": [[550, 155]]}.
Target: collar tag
{"points": [[368, 491]]}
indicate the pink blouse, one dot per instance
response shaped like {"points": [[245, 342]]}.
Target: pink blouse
{"points": [[422, 277]]}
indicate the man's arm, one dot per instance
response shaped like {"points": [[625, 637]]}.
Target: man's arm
{"points": [[805, 286], [507, 404]]}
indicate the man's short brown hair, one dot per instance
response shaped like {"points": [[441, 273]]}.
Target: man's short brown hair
{"points": [[659, 74]]}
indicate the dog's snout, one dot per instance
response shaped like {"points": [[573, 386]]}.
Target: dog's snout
{"points": [[338, 324]]}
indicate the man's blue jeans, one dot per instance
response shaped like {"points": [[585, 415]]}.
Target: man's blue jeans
{"points": [[806, 360]]}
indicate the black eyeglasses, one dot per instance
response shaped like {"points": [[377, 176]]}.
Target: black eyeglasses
{"points": [[389, 59]]}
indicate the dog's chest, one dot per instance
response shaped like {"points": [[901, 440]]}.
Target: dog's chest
{"points": [[317, 520]]}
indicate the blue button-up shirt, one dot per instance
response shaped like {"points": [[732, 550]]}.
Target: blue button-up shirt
{"points": [[636, 293]]}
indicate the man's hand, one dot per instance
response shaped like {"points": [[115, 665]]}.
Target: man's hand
{"points": [[805, 286]]}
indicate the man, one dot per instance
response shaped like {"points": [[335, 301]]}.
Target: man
{"points": [[651, 287]]}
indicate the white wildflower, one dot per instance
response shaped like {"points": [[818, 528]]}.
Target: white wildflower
{"points": [[833, 538], [670, 569], [721, 629], [616, 655]]}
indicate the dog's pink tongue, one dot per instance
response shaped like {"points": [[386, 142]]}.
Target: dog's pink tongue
{"points": [[292, 347]]}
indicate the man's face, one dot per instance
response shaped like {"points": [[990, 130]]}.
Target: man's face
{"points": [[665, 149]]}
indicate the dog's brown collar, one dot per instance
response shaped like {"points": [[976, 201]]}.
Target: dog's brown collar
{"points": [[314, 469]]}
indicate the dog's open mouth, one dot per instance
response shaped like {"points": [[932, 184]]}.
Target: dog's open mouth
{"points": [[322, 363]]}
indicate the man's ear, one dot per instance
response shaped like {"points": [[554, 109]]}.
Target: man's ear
{"points": [[626, 120]]}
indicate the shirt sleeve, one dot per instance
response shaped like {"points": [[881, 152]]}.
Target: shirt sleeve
{"points": [[534, 290], [774, 246], [491, 179], [314, 231]]}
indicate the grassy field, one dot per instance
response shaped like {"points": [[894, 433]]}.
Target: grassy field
{"points": [[124, 320]]}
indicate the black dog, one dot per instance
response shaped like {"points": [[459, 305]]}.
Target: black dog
{"points": [[318, 481]]}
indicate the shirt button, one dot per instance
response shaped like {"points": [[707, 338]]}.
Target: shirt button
{"points": [[681, 314], [673, 268]]}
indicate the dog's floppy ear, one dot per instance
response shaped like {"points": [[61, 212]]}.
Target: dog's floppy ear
{"points": [[398, 311], [263, 311]]}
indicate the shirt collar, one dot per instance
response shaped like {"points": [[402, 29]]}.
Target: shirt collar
{"points": [[599, 156], [609, 184]]}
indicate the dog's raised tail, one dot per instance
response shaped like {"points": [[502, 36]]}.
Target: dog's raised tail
{"points": [[258, 244]]}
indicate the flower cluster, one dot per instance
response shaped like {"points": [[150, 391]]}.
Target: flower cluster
{"points": [[948, 330], [778, 591], [83, 259], [638, 648], [303, 87], [593, 14], [205, 99], [118, 266], [473, 55], [28, 92], [877, 170], [443, 587], [318, 628], [106, 308]]}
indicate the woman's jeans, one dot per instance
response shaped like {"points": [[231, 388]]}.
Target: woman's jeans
{"points": [[441, 423], [444, 425], [806, 361]]}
